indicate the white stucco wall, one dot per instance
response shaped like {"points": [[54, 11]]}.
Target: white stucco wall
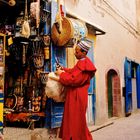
{"points": [[118, 20], [125, 8]]}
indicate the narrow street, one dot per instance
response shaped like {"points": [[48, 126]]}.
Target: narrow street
{"points": [[127, 128]]}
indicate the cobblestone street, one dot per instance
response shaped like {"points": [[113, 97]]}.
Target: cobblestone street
{"points": [[127, 128]]}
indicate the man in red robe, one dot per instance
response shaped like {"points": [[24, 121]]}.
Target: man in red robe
{"points": [[77, 81]]}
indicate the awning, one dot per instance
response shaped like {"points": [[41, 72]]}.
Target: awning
{"points": [[97, 30]]}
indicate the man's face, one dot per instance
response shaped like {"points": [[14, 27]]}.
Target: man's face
{"points": [[78, 53]]}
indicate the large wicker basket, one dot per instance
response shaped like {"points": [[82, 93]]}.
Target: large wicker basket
{"points": [[71, 29]]}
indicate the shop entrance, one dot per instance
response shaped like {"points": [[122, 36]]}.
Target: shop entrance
{"points": [[24, 90], [134, 92]]}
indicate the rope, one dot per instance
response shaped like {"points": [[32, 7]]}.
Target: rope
{"points": [[26, 11]]}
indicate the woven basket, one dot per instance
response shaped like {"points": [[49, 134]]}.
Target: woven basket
{"points": [[60, 39], [72, 29]]}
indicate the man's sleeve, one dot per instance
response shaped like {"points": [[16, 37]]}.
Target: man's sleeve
{"points": [[76, 78]]}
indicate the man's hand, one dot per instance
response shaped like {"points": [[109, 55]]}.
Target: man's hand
{"points": [[58, 66], [59, 71]]}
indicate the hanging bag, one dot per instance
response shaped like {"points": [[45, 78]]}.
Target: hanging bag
{"points": [[67, 31], [25, 30]]}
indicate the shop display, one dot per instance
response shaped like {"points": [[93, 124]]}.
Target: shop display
{"points": [[24, 90], [29, 54], [33, 53]]}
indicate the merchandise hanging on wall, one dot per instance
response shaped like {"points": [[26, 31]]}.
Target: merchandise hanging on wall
{"points": [[72, 31], [25, 29], [31, 58]]}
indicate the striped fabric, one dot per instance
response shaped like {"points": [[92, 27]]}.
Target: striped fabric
{"points": [[84, 45]]}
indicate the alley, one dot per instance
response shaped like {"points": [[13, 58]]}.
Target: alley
{"points": [[127, 128]]}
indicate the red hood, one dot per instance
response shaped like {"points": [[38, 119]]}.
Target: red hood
{"points": [[86, 65]]}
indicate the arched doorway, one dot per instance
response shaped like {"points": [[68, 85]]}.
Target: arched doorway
{"points": [[113, 94]]}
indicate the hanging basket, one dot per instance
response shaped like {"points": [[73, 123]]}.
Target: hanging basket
{"points": [[38, 60], [44, 77]]}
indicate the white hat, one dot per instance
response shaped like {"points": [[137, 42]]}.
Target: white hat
{"points": [[84, 45]]}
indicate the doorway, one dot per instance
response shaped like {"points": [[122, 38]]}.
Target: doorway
{"points": [[132, 82], [134, 86], [113, 94]]}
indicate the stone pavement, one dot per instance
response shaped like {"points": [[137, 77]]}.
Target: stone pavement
{"points": [[11, 133], [126, 128]]}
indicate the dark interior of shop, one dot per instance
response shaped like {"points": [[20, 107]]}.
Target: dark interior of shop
{"points": [[28, 54], [9, 13], [21, 68]]}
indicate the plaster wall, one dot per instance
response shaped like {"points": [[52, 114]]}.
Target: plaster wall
{"points": [[121, 40], [125, 8]]}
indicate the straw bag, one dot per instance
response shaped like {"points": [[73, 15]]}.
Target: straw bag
{"points": [[72, 31], [25, 30], [60, 39]]}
